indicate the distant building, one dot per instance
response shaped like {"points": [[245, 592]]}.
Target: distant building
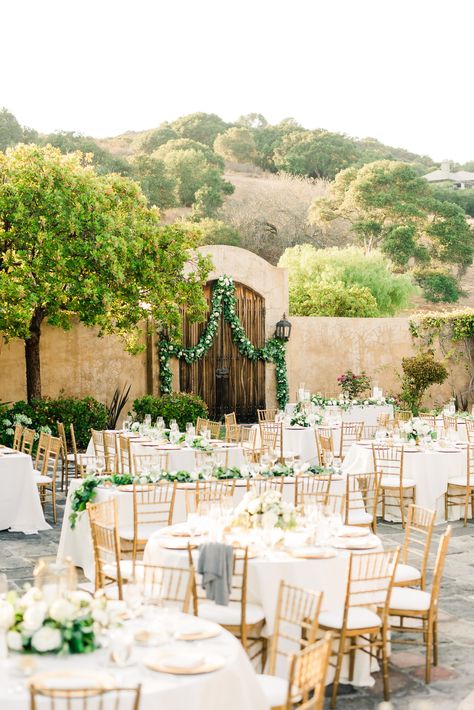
{"points": [[460, 180]]}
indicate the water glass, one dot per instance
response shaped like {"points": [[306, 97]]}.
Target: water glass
{"points": [[173, 425], [147, 420], [121, 647]]}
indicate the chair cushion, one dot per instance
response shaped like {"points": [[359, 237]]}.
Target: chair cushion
{"points": [[407, 573], [144, 531], [39, 478], [275, 689], [230, 615], [407, 599], [126, 570], [359, 517], [358, 618], [394, 482], [461, 481]]}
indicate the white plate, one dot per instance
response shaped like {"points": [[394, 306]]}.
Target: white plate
{"points": [[353, 531], [361, 543]]}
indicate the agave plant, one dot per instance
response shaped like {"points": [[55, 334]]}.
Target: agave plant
{"points": [[117, 403]]}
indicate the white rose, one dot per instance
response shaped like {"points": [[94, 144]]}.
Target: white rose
{"points": [[46, 639], [7, 615], [34, 616], [31, 596], [100, 615], [62, 610], [79, 597], [14, 641], [253, 506]]}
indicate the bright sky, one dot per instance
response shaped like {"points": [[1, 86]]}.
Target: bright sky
{"points": [[397, 70]]}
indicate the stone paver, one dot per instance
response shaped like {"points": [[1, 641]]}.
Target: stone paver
{"points": [[452, 687]]}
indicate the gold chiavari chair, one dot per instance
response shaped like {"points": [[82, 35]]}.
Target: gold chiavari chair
{"points": [[362, 497], [308, 673], [172, 586], [271, 437], [80, 460], [351, 433], [88, 466], [66, 457], [403, 415], [216, 457], [212, 492], [356, 625], [469, 430], [336, 504], [46, 480], [125, 454], [460, 491], [28, 441], [383, 419], [429, 419], [266, 415], [17, 434], [262, 484], [418, 605], [388, 461], [369, 430], [150, 463], [312, 489], [216, 429], [91, 695], [153, 507], [201, 424], [110, 451], [230, 419], [41, 453], [243, 619], [295, 628], [324, 445], [249, 444], [233, 433], [98, 442], [414, 555], [110, 570], [450, 422]]}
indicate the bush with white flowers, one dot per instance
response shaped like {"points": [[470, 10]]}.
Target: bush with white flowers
{"points": [[34, 623], [265, 510]]}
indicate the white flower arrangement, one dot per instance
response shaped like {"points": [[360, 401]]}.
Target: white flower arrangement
{"points": [[267, 509], [66, 624], [416, 428]]}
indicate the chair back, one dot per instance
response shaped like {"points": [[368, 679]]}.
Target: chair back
{"points": [[106, 543], [125, 456], [312, 489], [62, 436], [370, 580], [388, 460], [266, 415], [439, 568], [212, 492], [216, 457], [42, 452], [201, 424], [469, 430], [383, 419], [150, 463], [324, 445], [91, 695], [450, 422], [230, 419], [153, 505], [403, 415], [249, 444], [233, 433], [53, 455], [17, 434], [296, 621], [166, 585], [28, 441], [369, 431], [308, 673], [216, 429], [362, 495], [429, 418], [351, 433], [110, 451], [271, 437], [262, 484], [417, 541], [98, 441]]}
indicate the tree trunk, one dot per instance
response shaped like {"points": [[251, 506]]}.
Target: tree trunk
{"points": [[32, 357]]}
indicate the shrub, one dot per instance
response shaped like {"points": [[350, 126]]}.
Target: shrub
{"points": [[419, 373], [85, 414], [182, 406], [353, 385]]}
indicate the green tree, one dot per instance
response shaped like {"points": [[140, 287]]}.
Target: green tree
{"points": [[102, 160], [159, 136], [420, 372], [462, 198], [390, 207], [78, 244], [269, 138], [237, 144], [252, 120], [201, 127], [188, 144], [154, 180], [344, 282], [11, 132], [317, 154], [214, 231]]}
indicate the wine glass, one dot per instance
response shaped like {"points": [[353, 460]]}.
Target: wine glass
{"points": [[121, 647], [100, 465], [91, 466], [127, 424], [147, 420], [273, 457]]}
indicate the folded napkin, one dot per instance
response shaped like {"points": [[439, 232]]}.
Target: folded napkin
{"points": [[215, 564]]}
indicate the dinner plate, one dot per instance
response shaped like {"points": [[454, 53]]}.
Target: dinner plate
{"points": [[356, 543], [74, 680], [184, 664], [313, 553], [197, 631], [353, 531]]}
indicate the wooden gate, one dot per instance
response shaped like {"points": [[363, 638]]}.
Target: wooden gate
{"points": [[226, 380]]}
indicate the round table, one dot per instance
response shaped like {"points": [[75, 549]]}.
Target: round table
{"points": [[234, 686], [264, 576], [20, 505], [431, 471]]}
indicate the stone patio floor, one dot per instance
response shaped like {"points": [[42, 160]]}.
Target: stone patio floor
{"points": [[452, 685]]}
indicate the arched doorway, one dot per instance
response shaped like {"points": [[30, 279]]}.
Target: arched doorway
{"points": [[226, 380]]}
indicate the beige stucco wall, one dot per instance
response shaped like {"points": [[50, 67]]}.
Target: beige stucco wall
{"points": [[75, 362]]}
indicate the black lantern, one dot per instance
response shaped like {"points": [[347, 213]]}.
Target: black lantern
{"points": [[283, 329]]}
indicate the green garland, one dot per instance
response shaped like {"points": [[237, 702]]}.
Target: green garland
{"points": [[223, 300]]}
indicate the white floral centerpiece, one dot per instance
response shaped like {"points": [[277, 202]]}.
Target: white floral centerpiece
{"points": [[66, 624], [416, 428], [266, 510]]}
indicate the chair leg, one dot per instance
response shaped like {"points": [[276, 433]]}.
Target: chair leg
{"points": [[435, 643], [53, 501], [429, 637], [402, 508], [446, 505], [466, 507], [337, 675], [386, 688]]}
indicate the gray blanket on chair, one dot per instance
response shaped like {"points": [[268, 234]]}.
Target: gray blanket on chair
{"points": [[215, 564]]}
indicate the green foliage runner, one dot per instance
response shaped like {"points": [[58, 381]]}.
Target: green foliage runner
{"points": [[223, 301]]}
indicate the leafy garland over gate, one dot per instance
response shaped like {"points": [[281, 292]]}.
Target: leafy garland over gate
{"points": [[223, 300]]}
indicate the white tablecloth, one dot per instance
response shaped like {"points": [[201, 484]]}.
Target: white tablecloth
{"points": [[233, 687], [20, 507], [298, 440], [431, 471], [264, 576]]}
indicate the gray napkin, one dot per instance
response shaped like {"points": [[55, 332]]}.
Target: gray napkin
{"points": [[215, 564]]}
